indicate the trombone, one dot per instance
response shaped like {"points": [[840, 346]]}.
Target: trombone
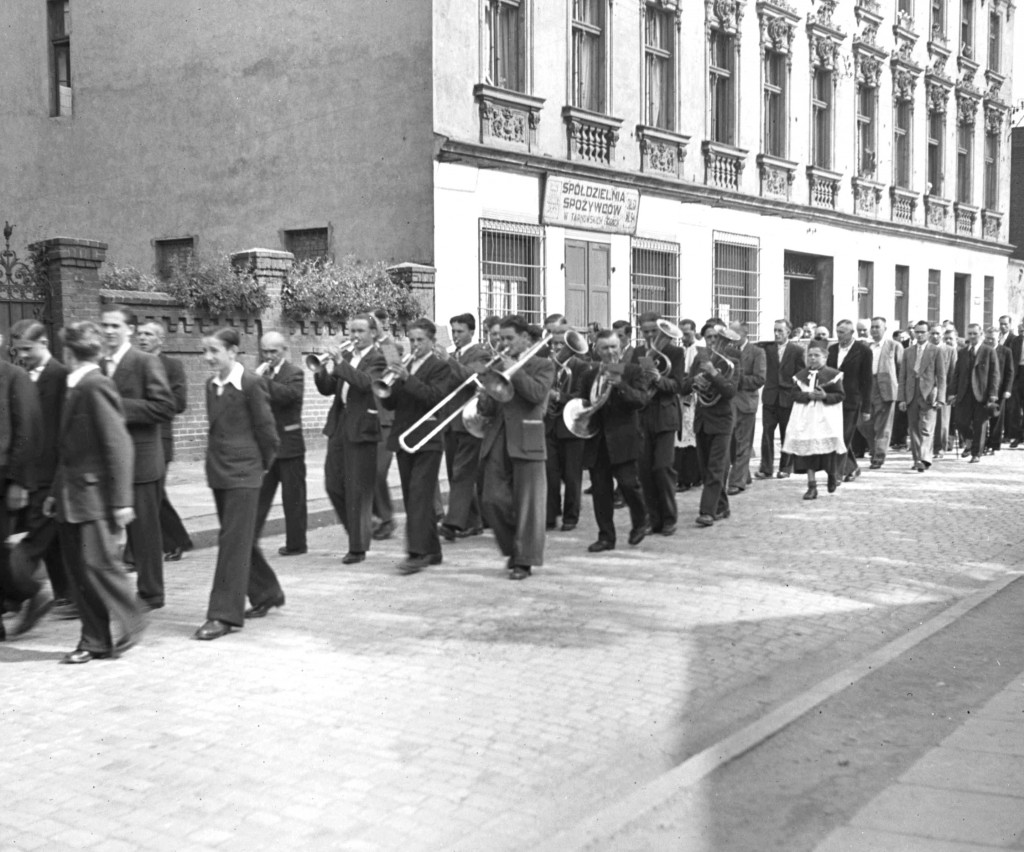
{"points": [[315, 360], [496, 385]]}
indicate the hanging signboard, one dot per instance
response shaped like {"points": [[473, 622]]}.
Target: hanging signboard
{"points": [[573, 203]]}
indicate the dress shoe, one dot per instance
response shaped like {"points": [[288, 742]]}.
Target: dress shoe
{"points": [[261, 609], [149, 606], [874, 465], [35, 608], [723, 515], [600, 545], [782, 474], [471, 532], [734, 490], [292, 551], [351, 558], [213, 629], [667, 529], [832, 484], [80, 655], [939, 454], [384, 530], [449, 533], [551, 525], [174, 555], [811, 493], [705, 521], [762, 475], [638, 534], [1014, 443], [568, 527], [520, 572], [974, 460], [967, 450], [852, 475], [417, 562]]}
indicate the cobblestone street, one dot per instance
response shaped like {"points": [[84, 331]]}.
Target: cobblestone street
{"points": [[455, 709]]}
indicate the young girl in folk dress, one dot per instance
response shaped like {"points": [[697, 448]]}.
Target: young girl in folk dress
{"points": [[815, 432]]}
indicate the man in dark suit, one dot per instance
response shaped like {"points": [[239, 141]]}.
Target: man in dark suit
{"points": [[150, 338], [1004, 359], [852, 357], [31, 347], [886, 355], [975, 391], [353, 431], [417, 389], [659, 422], [611, 454], [564, 449], [462, 449], [285, 384], [147, 401], [753, 371], [1015, 405], [383, 510], [92, 498], [922, 389], [624, 331], [784, 358], [713, 390], [513, 452]]}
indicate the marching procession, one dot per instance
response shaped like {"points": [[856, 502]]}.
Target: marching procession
{"points": [[518, 415]]}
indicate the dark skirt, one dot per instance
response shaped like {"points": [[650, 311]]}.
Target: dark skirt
{"points": [[828, 462]]}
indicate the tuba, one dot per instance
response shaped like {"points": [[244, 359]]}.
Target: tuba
{"points": [[668, 333], [704, 389]]}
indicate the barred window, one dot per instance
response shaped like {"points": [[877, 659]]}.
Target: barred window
{"points": [[654, 278], [736, 288], [308, 244], [902, 312], [934, 292], [512, 270], [173, 254]]}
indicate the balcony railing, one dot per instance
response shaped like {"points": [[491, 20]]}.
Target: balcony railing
{"points": [[723, 165], [823, 187], [936, 213], [966, 216], [591, 136], [904, 205]]}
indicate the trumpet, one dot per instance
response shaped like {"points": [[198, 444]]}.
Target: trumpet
{"points": [[385, 385], [315, 360]]}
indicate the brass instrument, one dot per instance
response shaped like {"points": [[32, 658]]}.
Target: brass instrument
{"points": [[315, 360], [574, 344], [385, 385], [498, 386], [704, 389], [668, 332], [578, 413]]}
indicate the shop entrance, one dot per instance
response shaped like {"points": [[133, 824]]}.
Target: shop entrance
{"points": [[587, 283], [808, 289], [961, 302]]}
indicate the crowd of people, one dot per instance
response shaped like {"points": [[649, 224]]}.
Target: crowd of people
{"points": [[517, 415]]}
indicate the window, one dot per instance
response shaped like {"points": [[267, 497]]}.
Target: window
{"points": [[901, 156], [512, 270], [308, 244], [659, 77], [936, 131], [990, 300], [172, 255], [736, 282], [722, 77], [992, 169], [821, 112], [905, 7], [865, 288], [60, 56], [938, 18], [776, 114], [506, 44], [588, 55], [967, 28], [995, 38], [654, 276], [934, 291], [964, 159], [867, 145], [902, 313]]}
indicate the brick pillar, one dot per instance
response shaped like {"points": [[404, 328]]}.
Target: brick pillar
{"points": [[72, 269], [270, 267], [420, 279]]}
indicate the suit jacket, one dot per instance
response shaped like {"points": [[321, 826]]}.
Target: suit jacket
{"points": [[414, 397], [286, 390], [1015, 353], [977, 376], [662, 414], [888, 376], [567, 385], [51, 386], [461, 366], [356, 420], [947, 354], [179, 390], [856, 370], [718, 418], [618, 421], [778, 383], [930, 382], [523, 415], [147, 401], [754, 366], [20, 424], [242, 438], [1007, 369], [97, 456]]}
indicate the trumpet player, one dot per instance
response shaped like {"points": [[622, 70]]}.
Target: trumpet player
{"points": [[617, 392], [513, 452], [659, 421], [352, 430], [418, 387]]}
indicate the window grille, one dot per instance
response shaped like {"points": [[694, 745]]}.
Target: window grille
{"points": [[512, 271], [736, 288], [308, 244], [654, 278]]}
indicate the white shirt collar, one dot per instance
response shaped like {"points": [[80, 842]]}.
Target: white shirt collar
{"points": [[234, 378], [75, 376], [117, 356]]}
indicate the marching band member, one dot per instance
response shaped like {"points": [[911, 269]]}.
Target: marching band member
{"points": [[564, 449], [713, 420], [417, 388], [383, 516], [353, 431], [617, 392], [659, 422], [513, 452]]}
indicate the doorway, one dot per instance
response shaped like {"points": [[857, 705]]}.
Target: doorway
{"points": [[961, 301], [587, 283], [808, 289]]}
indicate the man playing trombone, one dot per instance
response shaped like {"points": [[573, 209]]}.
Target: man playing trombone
{"points": [[614, 393], [353, 430], [513, 450]]}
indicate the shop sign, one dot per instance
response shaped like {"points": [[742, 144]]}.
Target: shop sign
{"points": [[573, 203]]}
